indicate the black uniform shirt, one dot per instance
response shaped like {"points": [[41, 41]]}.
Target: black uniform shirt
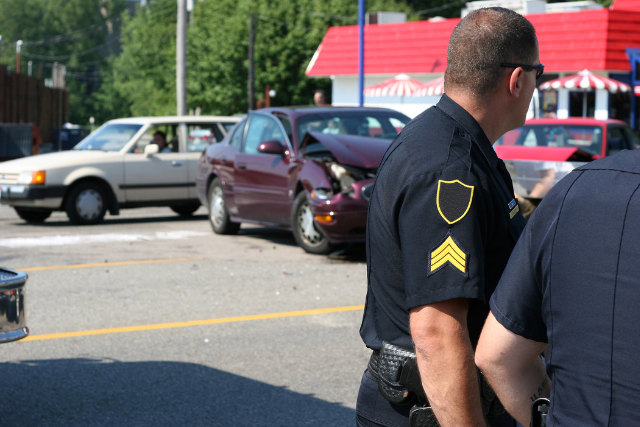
{"points": [[574, 281], [442, 224]]}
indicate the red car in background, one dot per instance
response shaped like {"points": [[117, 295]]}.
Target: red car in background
{"points": [[307, 169], [543, 151]]}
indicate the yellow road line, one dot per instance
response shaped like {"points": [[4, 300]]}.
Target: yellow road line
{"points": [[191, 323], [106, 264]]}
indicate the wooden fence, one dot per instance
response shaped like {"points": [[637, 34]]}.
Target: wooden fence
{"points": [[25, 99]]}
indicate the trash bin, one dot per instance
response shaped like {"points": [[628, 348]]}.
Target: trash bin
{"points": [[13, 320]]}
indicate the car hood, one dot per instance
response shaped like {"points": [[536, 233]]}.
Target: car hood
{"points": [[548, 154], [54, 160], [358, 151]]}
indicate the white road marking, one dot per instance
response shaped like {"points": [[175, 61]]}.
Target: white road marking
{"points": [[59, 240]]}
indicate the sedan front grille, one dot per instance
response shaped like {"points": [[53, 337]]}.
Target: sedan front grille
{"points": [[8, 178]]}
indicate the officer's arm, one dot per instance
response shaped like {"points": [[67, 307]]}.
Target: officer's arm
{"points": [[542, 187], [513, 367], [445, 361]]}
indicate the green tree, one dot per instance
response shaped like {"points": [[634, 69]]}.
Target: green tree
{"points": [[143, 75], [75, 33], [287, 33]]}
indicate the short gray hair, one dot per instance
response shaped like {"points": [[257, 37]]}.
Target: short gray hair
{"points": [[483, 40]]}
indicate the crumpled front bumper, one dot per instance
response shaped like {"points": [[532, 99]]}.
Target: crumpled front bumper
{"points": [[342, 218]]}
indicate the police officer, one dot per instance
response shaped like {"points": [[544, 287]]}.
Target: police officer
{"points": [[442, 224], [572, 286]]}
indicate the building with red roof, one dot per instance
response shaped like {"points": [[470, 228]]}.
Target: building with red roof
{"points": [[570, 41]]}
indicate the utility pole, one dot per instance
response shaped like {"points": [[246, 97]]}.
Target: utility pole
{"points": [[181, 59], [250, 83], [0, 45], [361, 9], [18, 46]]}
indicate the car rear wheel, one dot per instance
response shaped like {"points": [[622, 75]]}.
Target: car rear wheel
{"points": [[33, 215], [185, 210], [307, 236], [218, 214], [86, 204]]}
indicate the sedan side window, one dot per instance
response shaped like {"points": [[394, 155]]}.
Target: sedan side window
{"points": [[166, 136], [262, 129], [616, 140], [236, 138]]}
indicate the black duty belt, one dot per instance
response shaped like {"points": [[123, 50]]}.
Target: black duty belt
{"points": [[396, 370]]}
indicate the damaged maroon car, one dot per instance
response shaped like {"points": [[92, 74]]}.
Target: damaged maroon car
{"points": [[307, 169]]}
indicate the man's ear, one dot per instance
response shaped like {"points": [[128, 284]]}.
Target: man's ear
{"points": [[516, 82]]}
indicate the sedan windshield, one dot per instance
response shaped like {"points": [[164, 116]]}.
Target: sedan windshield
{"points": [[378, 124], [586, 138], [110, 137]]}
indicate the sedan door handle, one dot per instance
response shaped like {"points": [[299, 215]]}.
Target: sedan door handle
{"points": [[242, 165], [176, 163]]}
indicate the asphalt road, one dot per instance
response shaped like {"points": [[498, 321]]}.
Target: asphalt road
{"points": [[215, 330]]}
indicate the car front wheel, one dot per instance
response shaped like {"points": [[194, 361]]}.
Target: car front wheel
{"points": [[307, 236], [218, 214], [33, 215], [86, 204]]}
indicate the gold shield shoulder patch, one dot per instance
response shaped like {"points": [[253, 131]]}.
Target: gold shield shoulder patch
{"points": [[448, 252], [454, 200]]}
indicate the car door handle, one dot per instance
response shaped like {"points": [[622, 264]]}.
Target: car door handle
{"points": [[176, 163], [242, 165]]}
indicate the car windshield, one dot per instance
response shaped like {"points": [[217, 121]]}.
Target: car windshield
{"points": [[586, 138], [110, 137], [378, 124]]}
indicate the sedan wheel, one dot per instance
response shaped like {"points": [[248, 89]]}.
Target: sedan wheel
{"points": [[305, 232], [307, 228], [89, 204], [86, 203], [218, 215]]}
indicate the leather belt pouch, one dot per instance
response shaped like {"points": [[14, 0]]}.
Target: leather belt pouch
{"points": [[399, 380], [422, 416]]}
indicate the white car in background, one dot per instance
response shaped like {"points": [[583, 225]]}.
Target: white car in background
{"points": [[115, 167]]}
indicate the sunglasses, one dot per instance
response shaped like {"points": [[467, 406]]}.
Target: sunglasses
{"points": [[539, 68]]}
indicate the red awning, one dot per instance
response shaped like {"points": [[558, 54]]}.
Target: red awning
{"points": [[400, 85], [434, 87], [586, 80]]}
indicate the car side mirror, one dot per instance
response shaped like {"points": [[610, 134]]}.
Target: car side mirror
{"points": [[151, 149], [271, 147]]}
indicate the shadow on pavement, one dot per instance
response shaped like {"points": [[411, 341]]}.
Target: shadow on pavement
{"points": [[114, 220], [354, 252], [274, 235], [106, 392]]}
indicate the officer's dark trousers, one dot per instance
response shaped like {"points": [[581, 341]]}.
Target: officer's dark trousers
{"points": [[373, 410]]}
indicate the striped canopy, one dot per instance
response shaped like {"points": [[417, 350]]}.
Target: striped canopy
{"points": [[400, 85], [434, 87], [586, 80]]}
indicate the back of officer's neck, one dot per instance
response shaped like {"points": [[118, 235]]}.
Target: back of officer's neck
{"points": [[489, 113]]}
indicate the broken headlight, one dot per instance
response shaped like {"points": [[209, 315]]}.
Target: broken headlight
{"points": [[344, 176]]}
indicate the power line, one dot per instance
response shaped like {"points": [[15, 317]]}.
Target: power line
{"points": [[283, 23], [325, 15], [443, 7], [88, 51]]}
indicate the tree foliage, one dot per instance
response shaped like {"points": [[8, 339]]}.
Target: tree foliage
{"points": [[287, 33], [76, 33]]}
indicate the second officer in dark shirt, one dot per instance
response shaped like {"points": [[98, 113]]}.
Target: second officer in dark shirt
{"points": [[442, 224]]}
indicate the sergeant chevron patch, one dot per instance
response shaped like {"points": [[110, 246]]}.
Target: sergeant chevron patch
{"points": [[448, 252]]}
